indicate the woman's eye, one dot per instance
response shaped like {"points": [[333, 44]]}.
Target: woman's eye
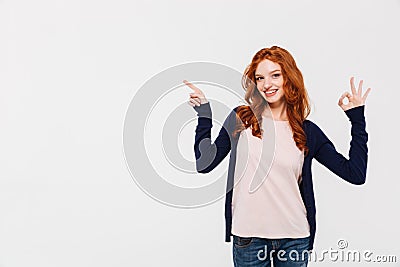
{"points": [[276, 75], [258, 78]]}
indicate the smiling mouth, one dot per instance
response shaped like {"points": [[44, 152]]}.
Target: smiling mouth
{"points": [[271, 92]]}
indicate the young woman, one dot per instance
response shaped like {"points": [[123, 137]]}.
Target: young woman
{"points": [[269, 204]]}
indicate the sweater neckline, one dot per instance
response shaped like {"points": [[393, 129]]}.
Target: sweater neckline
{"points": [[279, 121]]}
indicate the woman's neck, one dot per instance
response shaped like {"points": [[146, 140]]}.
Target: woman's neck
{"points": [[277, 113]]}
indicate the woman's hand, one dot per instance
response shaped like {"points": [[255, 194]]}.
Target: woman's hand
{"points": [[197, 97], [356, 98]]}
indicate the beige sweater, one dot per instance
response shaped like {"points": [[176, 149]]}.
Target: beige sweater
{"points": [[266, 198]]}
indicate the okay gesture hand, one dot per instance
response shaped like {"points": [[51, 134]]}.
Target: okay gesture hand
{"points": [[355, 98]]}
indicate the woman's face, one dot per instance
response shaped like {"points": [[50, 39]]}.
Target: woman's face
{"points": [[269, 81]]}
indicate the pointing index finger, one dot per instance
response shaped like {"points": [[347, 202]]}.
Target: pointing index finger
{"points": [[191, 86]]}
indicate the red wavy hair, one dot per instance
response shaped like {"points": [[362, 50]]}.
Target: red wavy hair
{"points": [[295, 94]]}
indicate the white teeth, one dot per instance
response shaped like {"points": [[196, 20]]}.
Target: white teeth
{"points": [[271, 91]]}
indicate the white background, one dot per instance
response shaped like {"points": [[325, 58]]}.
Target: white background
{"points": [[68, 70]]}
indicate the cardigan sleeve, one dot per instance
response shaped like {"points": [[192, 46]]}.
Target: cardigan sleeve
{"points": [[353, 169], [209, 155]]}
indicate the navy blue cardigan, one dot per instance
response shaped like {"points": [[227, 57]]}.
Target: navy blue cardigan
{"points": [[209, 155]]}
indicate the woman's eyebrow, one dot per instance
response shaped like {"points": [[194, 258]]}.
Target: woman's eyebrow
{"points": [[269, 73]]}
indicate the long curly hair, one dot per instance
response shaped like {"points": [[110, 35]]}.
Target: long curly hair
{"points": [[295, 95]]}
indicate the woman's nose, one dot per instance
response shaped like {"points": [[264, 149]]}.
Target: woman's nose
{"points": [[267, 85]]}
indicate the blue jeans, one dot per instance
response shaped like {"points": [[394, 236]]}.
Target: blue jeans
{"points": [[261, 252]]}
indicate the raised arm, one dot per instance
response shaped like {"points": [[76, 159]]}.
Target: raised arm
{"points": [[353, 169], [208, 154]]}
